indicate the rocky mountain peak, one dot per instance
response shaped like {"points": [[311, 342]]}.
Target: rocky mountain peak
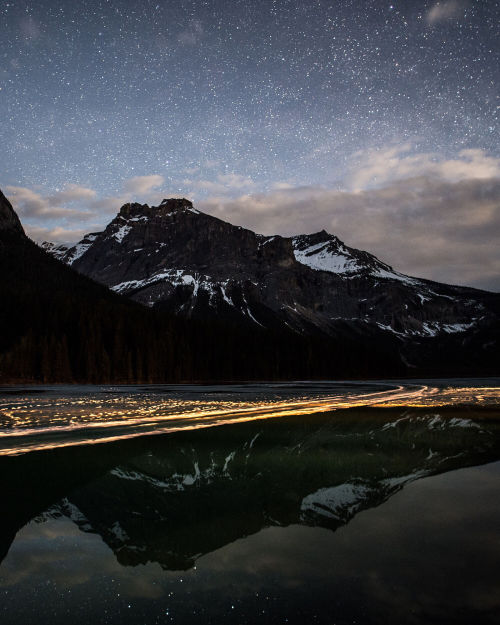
{"points": [[321, 235], [317, 237], [8, 218], [173, 204], [132, 209], [166, 207]]}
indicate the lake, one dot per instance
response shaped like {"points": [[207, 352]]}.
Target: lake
{"points": [[373, 502]]}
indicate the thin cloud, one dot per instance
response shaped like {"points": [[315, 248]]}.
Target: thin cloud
{"points": [[379, 167], [30, 29], [45, 214], [192, 35], [55, 235], [189, 171], [110, 204], [143, 189], [71, 193], [143, 184], [442, 11], [30, 204], [224, 184]]}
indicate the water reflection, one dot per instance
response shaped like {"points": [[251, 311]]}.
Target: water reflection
{"points": [[372, 515], [172, 499]]}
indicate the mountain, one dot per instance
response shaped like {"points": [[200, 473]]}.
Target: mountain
{"points": [[224, 303], [55, 250], [9, 221], [177, 259], [57, 325]]}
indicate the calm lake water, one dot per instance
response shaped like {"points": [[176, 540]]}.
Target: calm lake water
{"points": [[357, 503]]}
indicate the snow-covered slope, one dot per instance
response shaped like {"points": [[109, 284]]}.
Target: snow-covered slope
{"points": [[56, 250]]}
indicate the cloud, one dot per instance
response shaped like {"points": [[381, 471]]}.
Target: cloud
{"points": [[111, 203], [71, 193], [281, 185], [189, 171], [143, 184], [143, 189], [36, 208], [30, 204], [224, 184], [55, 235], [424, 226], [446, 10], [378, 167]]}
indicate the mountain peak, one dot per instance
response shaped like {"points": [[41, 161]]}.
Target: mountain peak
{"points": [[134, 208], [8, 218], [174, 203], [167, 206]]}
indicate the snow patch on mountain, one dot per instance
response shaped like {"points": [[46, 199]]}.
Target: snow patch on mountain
{"points": [[121, 233], [56, 250], [430, 328], [320, 257], [199, 282], [331, 255], [176, 277], [394, 275], [80, 248], [339, 502]]}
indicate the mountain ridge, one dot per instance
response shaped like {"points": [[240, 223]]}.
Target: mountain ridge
{"points": [[177, 258]]}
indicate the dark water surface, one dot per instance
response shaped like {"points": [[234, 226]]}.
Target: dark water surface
{"points": [[376, 513]]}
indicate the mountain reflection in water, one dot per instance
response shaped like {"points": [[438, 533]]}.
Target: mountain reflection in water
{"points": [[377, 513], [170, 506]]}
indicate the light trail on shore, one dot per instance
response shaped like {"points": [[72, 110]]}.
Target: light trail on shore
{"points": [[35, 425]]}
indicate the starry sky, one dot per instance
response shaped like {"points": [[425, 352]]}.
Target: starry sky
{"points": [[375, 120]]}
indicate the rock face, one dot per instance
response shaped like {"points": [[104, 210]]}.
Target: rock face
{"points": [[177, 258], [9, 221]]}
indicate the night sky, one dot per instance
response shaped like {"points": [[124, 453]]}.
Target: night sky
{"points": [[375, 120]]}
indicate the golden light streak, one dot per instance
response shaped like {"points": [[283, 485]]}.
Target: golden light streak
{"points": [[17, 440]]}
